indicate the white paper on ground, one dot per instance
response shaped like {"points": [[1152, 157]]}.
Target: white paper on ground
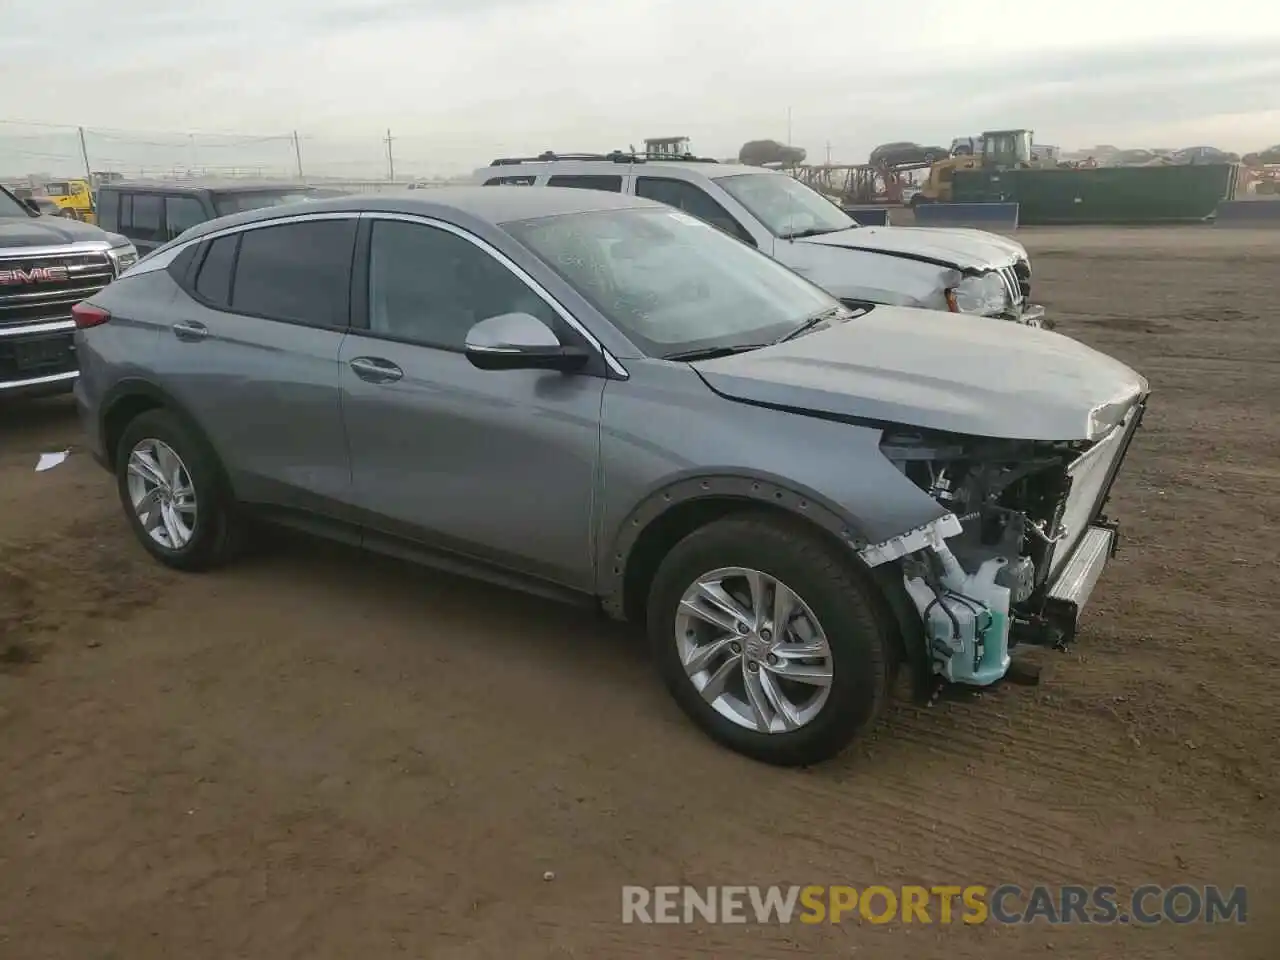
{"points": [[50, 460]]}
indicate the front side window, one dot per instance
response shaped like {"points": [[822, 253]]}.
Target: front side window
{"points": [[786, 206], [298, 272], [671, 282], [691, 199], [430, 286]]}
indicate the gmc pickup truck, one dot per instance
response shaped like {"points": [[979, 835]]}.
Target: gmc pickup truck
{"points": [[47, 266]]}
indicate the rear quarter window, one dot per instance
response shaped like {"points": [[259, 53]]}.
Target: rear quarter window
{"points": [[587, 182], [213, 281]]}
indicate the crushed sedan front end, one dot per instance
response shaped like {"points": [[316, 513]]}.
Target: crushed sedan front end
{"points": [[1025, 541]]}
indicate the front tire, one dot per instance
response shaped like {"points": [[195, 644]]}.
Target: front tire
{"points": [[174, 493], [767, 637]]}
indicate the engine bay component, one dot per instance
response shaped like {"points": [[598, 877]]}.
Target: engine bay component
{"points": [[966, 618], [1017, 555]]}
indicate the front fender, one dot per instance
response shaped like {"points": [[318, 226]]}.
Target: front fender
{"points": [[618, 549], [669, 440]]}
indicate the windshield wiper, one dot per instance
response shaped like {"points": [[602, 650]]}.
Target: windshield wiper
{"points": [[710, 353], [808, 232], [818, 318]]}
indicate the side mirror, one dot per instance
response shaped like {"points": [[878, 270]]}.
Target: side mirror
{"points": [[520, 341]]}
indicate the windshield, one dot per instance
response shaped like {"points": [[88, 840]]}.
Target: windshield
{"points": [[10, 206], [58, 189], [239, 202], [669, 281], [785, 205]]}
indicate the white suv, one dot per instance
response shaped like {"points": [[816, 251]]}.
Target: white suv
{"points": [[963, 271]]}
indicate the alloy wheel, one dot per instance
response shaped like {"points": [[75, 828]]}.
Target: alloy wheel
{"points": [[163, 496], [753, 650]]}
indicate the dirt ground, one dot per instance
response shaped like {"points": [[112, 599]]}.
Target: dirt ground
{"points": [[323, 754]]}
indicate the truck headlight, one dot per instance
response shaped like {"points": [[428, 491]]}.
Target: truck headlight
{"points": [[123, 257], [984, 294]]}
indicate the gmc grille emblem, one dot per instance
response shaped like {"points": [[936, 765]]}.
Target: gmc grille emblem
{"points": [[34, 275]]}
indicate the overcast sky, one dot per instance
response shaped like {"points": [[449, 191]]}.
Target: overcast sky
{"points": [[461, 81]]}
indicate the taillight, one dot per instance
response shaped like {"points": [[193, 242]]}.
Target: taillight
{"points": [[87, 315]]}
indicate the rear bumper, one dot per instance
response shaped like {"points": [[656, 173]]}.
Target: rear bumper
{"points": [[92, 427]]}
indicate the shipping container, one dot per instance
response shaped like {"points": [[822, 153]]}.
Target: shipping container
{"points": [[1133, 195]]}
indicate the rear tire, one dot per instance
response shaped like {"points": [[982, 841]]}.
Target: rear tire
{"points": [[183, 514], [834, 602]]}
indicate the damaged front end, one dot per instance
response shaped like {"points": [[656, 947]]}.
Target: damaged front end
{"points": [[1021, 548]]}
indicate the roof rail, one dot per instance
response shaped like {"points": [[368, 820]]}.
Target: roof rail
{"points": [[616, 156]]}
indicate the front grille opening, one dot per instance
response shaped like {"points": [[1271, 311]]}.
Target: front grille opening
{"points": [[25, 302]]}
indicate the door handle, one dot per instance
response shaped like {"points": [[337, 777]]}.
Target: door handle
{"points": [[190, 330], [376, 370]]}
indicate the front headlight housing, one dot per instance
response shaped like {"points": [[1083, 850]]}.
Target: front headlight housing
{"points": [[123, 256], [984, 294]]}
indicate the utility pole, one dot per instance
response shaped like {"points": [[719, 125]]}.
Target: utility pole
{"points": [[391, 160], [297, 154], [828, 153], [84, 155]]}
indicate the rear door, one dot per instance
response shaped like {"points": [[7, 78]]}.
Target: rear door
{"points": [[252, 350], [495, 466]]}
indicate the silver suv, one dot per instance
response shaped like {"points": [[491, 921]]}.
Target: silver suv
{"points": [[960, 271], [602, 399]]}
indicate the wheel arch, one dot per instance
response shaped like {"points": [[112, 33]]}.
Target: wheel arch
{"points": [[674, 511], [132, 397]]}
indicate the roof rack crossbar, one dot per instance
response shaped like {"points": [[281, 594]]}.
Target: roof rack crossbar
{"points": [[616, 156]]}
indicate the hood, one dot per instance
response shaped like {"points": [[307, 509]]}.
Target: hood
{"points": [[18, 232], [959, 248], [937, 371]]}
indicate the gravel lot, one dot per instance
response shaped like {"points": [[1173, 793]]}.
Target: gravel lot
{"points": [[323, 754]]}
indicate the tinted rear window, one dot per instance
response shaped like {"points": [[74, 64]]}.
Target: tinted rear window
{"points": [[109, 210], [300, 272], [228, 203], [610, 184], [524, 180]]}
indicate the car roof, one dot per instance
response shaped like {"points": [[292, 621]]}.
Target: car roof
{"points": [[712, 171], [210, 186], [493, 205]]}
